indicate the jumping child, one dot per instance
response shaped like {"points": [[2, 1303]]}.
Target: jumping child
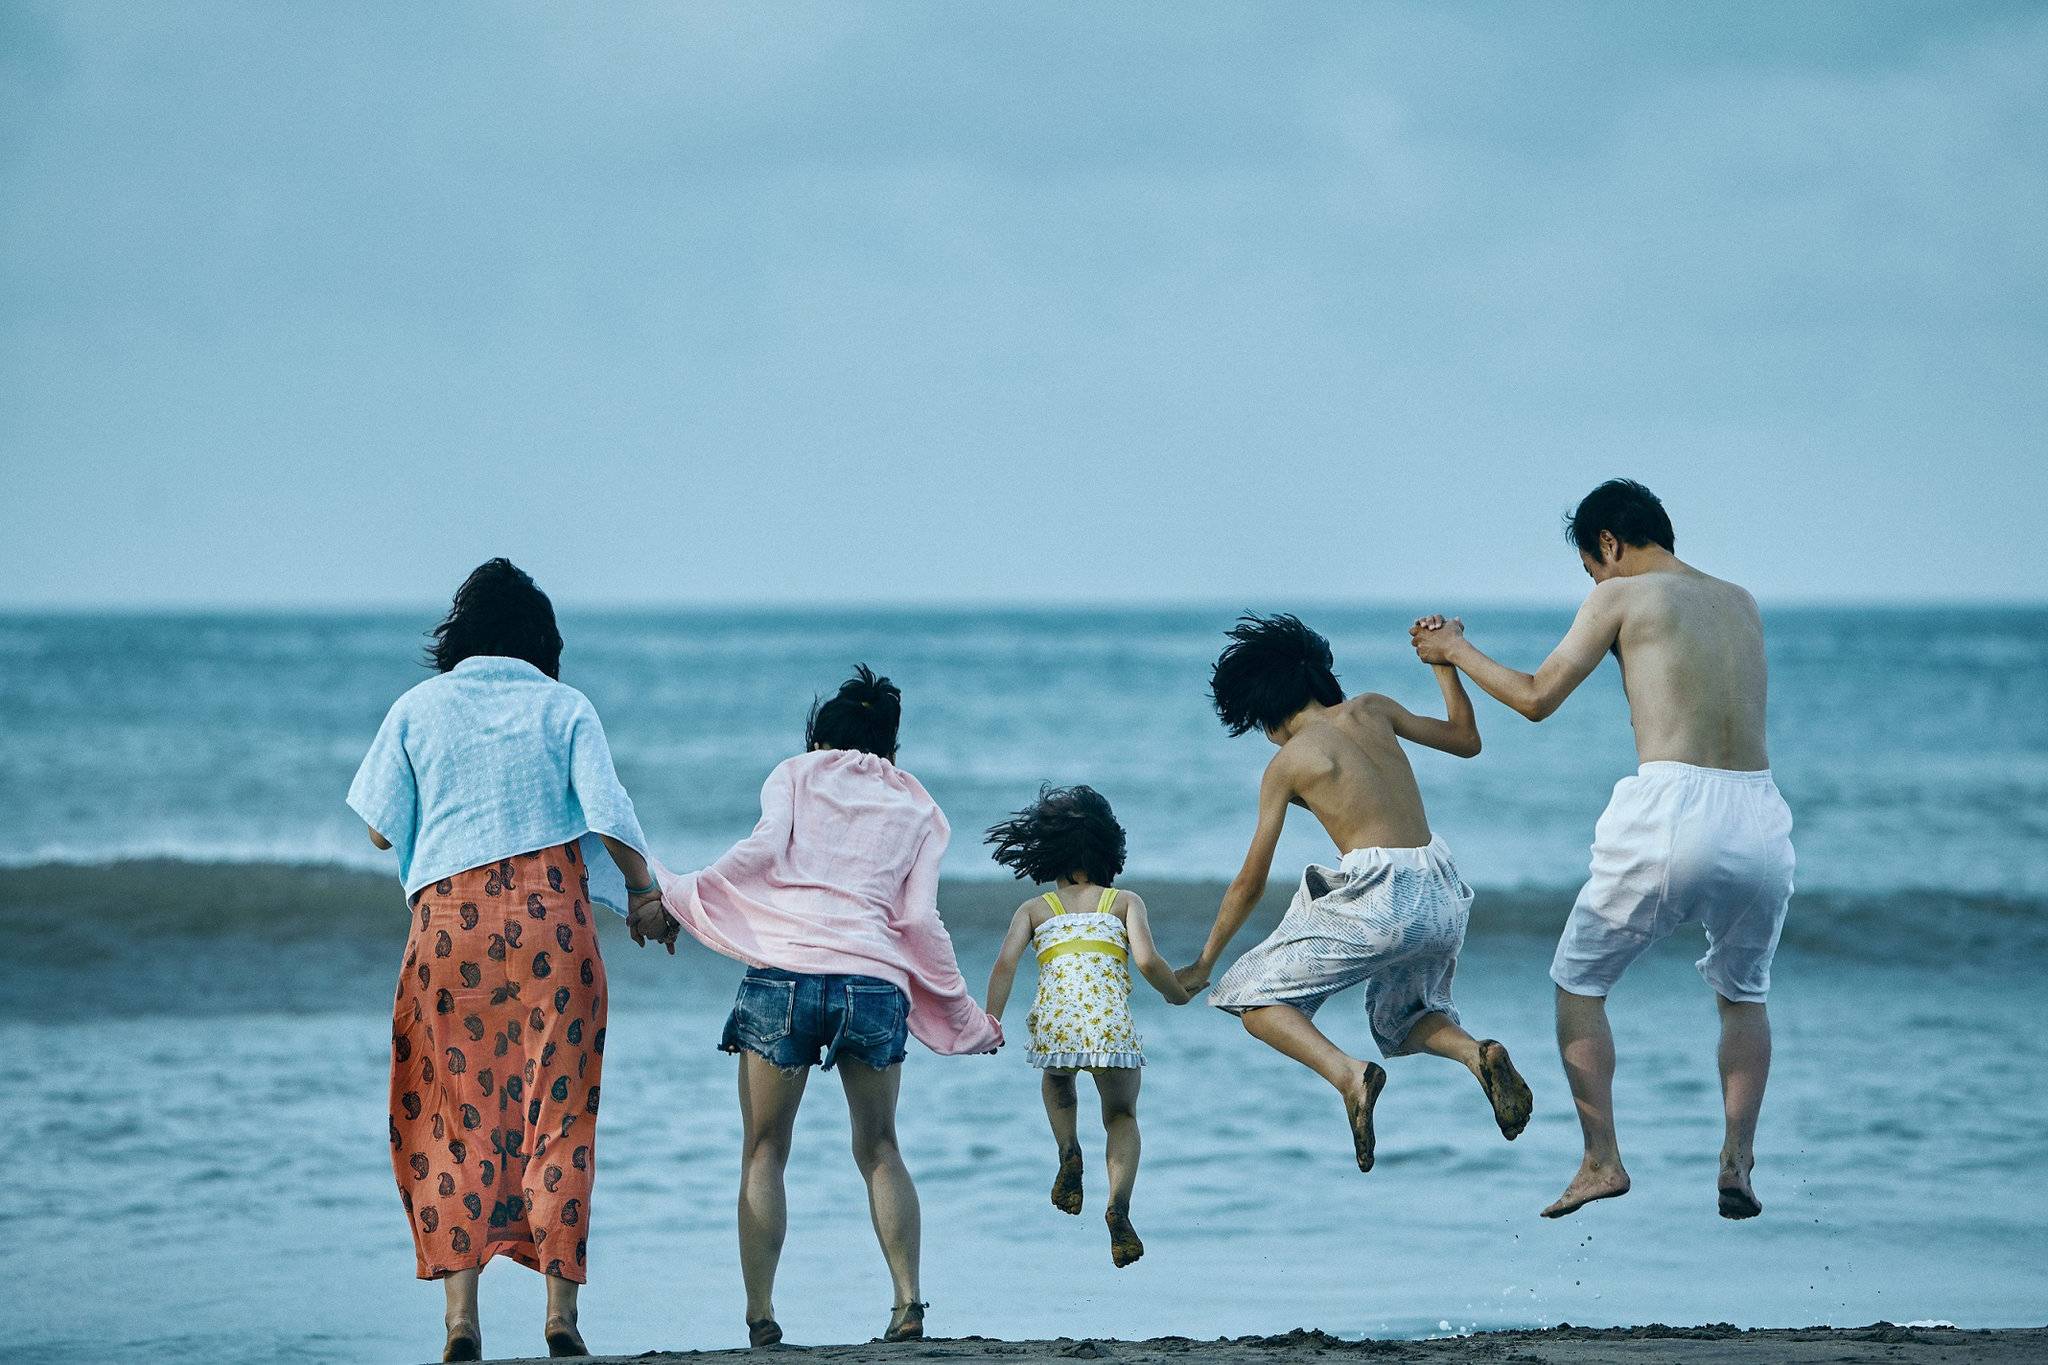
{"points": [[1084, 931], [1390, 915]]}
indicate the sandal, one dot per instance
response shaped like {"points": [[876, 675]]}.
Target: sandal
{"points": [[766, 1332], [906, 1322]]}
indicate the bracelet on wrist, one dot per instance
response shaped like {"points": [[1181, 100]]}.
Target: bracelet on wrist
{"points": [[646, 890]]}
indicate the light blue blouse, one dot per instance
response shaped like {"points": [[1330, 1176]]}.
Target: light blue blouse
{"points": [[490, 759]]}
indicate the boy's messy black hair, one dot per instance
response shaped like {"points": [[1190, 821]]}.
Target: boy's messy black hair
{"points": [[1624, 507], [1273, 667], [862, 715], [1067, 830], [498, 611]]}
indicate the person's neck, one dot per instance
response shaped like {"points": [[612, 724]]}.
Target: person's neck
{"points": [[1295, 723], [1072, 884], [1636, 560]]}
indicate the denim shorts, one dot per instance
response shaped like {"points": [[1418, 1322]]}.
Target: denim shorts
{"points": [[793, 1020]]}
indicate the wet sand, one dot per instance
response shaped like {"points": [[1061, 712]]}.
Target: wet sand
{"points": [[1717, 1344]]}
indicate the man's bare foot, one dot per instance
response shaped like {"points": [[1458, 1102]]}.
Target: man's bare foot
{"points": [[1505, 1089], [1124, 1246], [1738, 1200], [1066, 1186], [1358, 1108], [563, 1338], [1594, 1181], [464, 1342]]}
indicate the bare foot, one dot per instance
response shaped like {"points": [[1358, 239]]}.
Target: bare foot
{"points": [[1066, 1186], [563, 1338], [1124, 1246], [464, 1342], [1738, 1200], [1358, 1108], [1594, 1181], [1505, 1089]]}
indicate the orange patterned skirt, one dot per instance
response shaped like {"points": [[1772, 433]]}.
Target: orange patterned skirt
{"points": [[497, 1043]]}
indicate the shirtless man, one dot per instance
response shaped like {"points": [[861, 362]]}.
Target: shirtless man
{"points": [[1391, 914], [1699, 833]]}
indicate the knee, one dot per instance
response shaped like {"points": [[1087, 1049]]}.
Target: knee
{"points": [[770, 1150], [873, 1150]]}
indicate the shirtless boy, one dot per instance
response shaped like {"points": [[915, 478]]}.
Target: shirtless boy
{"points": [[1699, 833], [1390, 915]]}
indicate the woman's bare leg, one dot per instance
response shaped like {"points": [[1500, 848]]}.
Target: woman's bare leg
{"points": [[768, 1105], [892, 1198], [461, 1318]]}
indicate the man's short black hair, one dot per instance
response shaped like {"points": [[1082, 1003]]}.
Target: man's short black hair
{"points": [[1067, 830], [1273, 667], [1625, 508], [498, 611]]}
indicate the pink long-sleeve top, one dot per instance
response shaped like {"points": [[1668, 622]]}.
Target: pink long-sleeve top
{"points": [[841, 876]]}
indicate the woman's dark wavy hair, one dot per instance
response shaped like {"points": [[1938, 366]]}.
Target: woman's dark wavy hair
{"points": [[863, 715], [1624, 507], [1272, 668], [1067, 830], [498, 611]]}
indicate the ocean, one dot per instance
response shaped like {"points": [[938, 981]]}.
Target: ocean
{"points": [[195, 1045]]}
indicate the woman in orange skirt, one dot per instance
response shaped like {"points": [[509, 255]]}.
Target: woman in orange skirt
{"points": [[494, 785]]}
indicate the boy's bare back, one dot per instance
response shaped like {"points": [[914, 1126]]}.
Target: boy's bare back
{"points": [[1347, 768]]}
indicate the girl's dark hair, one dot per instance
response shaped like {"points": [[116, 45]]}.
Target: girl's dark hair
{"points": [[1273, 667], [498, 611], [1067, 830], [1624, 507], [863, 715]]}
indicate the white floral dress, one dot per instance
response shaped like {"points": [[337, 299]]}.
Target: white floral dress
{"points": [[1082, 1014]]}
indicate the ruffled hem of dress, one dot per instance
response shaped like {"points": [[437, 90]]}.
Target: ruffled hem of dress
{"points": [[1079, 1060]]}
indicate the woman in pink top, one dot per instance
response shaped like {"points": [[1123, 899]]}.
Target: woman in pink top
{"points": [[832, 902]]}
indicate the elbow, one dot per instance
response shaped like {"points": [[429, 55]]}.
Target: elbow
{"points": [[1468, 747], [1538, 707]]}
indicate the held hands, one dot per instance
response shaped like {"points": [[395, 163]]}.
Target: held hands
{"points": [[646, 919], [1193, 979], [1434, 637]]}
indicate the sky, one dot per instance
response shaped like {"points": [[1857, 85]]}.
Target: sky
{"points": [[318, 305]]}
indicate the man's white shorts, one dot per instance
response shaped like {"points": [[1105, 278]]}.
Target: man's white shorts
{"points": [[1680, 844]]}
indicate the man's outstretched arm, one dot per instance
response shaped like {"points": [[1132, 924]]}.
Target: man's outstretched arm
{"points": [[1275, 789], [1537, 694]]}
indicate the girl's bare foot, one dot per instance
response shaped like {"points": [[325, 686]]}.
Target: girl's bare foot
{"points": [[1066, 1186], [1505, 1089], [1124, 1246], [906, 1322], [464, 1342], [1358, 1108], [1738, 1200], [563, 1338], [1595, 1180]]}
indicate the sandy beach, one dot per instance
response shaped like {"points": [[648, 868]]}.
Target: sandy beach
{"points": [[1716, 1344]]}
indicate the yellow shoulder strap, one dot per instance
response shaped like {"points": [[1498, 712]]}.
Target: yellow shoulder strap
{"points": [[1106, 906], [1052, 898]]}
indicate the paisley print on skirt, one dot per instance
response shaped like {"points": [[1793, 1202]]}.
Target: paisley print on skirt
{"points": [[497, 1045]]}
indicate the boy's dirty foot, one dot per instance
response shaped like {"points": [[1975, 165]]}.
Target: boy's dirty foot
{"points": [[465, 1342], [906, 1322], [1066, 1186], [1124, 1246], [1738, 1200], [1358, 1108], [563, 1338], [1505, 1089], [1594, 1181]]}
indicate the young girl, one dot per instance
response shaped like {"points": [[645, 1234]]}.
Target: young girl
{"points": [[1083, 932], [832, 902]]}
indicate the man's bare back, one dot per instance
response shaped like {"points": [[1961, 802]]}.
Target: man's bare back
{"points": [[1691, 648]]}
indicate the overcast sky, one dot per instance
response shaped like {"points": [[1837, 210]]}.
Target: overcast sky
{"points": [[322, 304]]}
